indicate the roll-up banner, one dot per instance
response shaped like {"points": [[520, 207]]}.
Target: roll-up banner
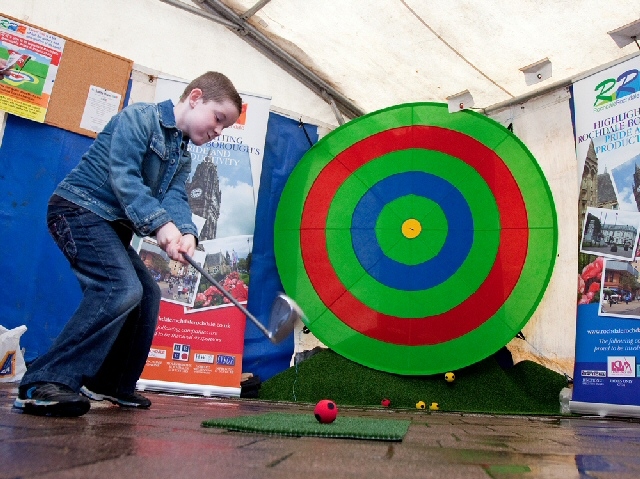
{"points": [[606, 108]]}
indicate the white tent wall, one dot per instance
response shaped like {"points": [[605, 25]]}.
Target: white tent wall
{"points": [[543, 123], [173, 41]]}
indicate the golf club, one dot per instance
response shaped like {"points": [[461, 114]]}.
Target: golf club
{"points": [[284, 310]]}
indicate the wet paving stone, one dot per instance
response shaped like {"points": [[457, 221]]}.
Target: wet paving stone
{"points": [[168, 441]]}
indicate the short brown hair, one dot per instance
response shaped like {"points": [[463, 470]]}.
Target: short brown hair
{"points": [[215, 87]]}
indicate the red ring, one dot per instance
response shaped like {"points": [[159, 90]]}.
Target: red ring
{"points": [[458, 321]]}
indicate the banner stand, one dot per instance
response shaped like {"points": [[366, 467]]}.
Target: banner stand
{"points": [[604, 409], [606, 118], [187, 388]]}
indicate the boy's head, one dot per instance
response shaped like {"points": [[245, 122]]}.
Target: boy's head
{"points": [[209, 104], [215, 87]]}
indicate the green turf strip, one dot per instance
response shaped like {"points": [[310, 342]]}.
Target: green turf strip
{"points": [[283, 424], [485, 387]]}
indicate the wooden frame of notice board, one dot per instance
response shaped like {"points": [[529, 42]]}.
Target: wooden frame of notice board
{"points": [[81, 67]]}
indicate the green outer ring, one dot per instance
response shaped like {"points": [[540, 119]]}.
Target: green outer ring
{"points": [[496, 331], [426, 245], [460, 285]]}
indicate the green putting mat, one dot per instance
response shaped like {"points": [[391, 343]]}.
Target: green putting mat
{"points": [[282, 424]]}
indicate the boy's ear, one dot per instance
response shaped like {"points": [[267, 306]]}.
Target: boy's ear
{"points": [[194, 96]]}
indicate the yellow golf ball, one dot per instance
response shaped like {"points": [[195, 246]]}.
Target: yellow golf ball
{"points": [[421, 405]]}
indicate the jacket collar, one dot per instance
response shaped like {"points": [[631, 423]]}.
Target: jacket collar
{"points": [[165, 111]]}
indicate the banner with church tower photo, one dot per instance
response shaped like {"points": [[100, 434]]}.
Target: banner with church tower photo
{"points": [[606, 109], [198, 345]]}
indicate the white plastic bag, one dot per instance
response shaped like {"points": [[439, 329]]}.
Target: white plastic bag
{"points": [[12, 366]]}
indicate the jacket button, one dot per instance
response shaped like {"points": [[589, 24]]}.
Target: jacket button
{"points": [[173, 161], [175, 134]]}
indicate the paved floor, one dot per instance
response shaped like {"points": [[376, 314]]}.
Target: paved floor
{"points": [[167, 441]]}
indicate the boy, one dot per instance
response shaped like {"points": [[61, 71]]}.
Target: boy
{"points": [[131, 180]]}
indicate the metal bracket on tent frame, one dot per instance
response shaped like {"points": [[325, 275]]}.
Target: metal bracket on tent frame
{"points": [[218, 12], [254, 9], [329, 99]]}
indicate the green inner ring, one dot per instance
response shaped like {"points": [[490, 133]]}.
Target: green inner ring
{"points": [[417, 249]]}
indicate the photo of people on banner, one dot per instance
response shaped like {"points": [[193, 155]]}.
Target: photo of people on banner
{"points": [[611, 278], [178, 282]]}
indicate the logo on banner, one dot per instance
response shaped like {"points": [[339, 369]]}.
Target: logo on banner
{"points": [[204, 358], [613, 91], [226, 360], [158, 353], [181, 352], [621, 366]]}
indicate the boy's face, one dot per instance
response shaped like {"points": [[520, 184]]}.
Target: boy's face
{"points": [[204, 121]]}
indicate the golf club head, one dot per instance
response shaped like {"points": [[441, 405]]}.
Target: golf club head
{"points": [[284, 313]]}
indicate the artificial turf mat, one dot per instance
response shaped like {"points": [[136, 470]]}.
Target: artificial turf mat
{"points": [[485, 387], [284, 424]]}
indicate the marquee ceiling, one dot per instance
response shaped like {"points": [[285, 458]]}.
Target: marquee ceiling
{"points": [[369, 54]]}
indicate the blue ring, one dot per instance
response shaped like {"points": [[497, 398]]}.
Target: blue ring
{"points": [[431, 272]]}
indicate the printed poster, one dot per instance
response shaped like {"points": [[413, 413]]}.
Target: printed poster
{"points": [[29, 60], [606, 109], [199, 340]]}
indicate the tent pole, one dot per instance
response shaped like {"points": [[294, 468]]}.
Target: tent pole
{"points": [[201, 13]]}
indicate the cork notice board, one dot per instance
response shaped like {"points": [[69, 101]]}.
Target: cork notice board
{"points": [[81, 67]]}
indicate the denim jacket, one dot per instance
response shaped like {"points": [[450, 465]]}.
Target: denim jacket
{"points": [[135, 171]]}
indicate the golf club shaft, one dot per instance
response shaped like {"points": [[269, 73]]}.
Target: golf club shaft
{"points": [[227, 295]]}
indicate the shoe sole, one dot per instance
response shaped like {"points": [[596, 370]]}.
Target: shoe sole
{"points": [[119, 402], [47, 408]]}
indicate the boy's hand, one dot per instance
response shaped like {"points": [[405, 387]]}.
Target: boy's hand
{"points": [[187, 245], [169, 238]]}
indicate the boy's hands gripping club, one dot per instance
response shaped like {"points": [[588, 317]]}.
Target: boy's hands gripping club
{"points": [[174, 243]]}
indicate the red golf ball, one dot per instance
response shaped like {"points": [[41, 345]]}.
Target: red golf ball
{"points": [[385, 402], [325, 411]]}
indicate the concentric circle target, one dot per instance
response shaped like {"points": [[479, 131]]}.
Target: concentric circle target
{"points": [[416, 241]]}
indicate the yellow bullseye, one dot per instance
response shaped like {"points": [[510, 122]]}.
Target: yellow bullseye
{"points": [[411, 228]]}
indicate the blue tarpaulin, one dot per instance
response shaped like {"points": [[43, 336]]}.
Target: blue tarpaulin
{"points": [[40, 291], [286, 142]]}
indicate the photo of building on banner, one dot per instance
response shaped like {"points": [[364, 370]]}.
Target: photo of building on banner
{"points": [[29, 60], [607, 133], [199, 340]]}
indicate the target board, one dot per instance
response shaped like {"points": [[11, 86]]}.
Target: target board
{"points": [[417, 241]]}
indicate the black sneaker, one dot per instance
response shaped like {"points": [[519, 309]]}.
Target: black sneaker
{"points": [[121, 399], [51, 399]]}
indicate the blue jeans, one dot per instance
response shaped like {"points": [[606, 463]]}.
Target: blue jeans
{"points": [[105, 344]]}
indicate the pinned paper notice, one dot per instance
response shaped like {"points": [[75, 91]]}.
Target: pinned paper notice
{"points": [[101, 105]]}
